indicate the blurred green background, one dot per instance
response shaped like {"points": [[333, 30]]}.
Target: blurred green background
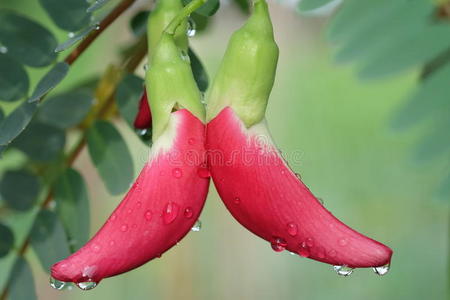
{"points": [[362, 169]]}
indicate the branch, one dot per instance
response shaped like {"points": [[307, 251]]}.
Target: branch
{"points": [[111, 17]]}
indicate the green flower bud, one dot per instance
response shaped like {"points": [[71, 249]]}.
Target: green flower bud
{"points": [[164, 12], [247, 72], [171, 85]]}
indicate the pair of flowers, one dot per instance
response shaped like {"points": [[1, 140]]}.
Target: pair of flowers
{"points": [[235, 149]]}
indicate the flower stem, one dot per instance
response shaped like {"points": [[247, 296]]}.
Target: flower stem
{"points": [[187, 10]]}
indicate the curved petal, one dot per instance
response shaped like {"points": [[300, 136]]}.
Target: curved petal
{"points": [[265, 196], [157, 212], [143, 118]]}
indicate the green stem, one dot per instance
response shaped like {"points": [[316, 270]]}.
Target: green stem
{"points": [[187, 10]]}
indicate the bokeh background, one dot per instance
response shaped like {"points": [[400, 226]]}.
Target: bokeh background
{"points": [[351, 158]]}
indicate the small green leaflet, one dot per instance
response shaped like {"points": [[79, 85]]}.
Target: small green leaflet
{"points": [[6, 240], [50, 81], [110, 155], [14, 82], [26, 40], [66, 110], [16, 122], [48, 239], [19, 189], [41, 142], [21, 282], [72, 206], [69, 15]]}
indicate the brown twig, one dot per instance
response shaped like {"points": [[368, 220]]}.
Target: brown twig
{"points": [[129, 65], [111, 17]]}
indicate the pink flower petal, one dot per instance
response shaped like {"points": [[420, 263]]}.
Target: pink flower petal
{"points": [[266, 197], [157, 212]]}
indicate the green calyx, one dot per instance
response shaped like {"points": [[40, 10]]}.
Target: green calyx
{"points": [[164, 12], [247, 72], [169, 81], [171, 85]]}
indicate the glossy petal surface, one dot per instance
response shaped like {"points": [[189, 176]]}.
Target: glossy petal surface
{"points": [[266, 197]]}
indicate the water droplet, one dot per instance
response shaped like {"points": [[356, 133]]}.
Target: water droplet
{"points": [[304, 251], [283, 172], [332, 253], [203, 172], [292, 229], [292, 253], [177, 173], [343, 242], [191, 30], [310, 242], [3, 50], [343, 270], [58, 285], [71, 34], [382, 270], [87, 285], [237, 200], [112, 243], [97, 27], [141, 132], [113, 217], [197, 226], [170, 212], [278, 244], [148, 215], [191, 141], [130, 211], [96, 248], [138, 204], [145, 67], [124, 228], [188, 212]]}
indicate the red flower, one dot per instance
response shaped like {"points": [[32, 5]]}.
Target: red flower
{"points": [[158, 211], [270, 200], [143, 118]]}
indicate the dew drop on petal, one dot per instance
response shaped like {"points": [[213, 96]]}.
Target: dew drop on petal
{"points": [[197, 226], [57, 284], [332, 253], [124, 228], [113, 217], [188, 212], [112, 243], [177, 173], [310, 242], [382, 270], [191, 141], [138, 204], [343, 270], [292, 229], [96, 248], [303, 251], [278, 244], [170, 212], [237, 200], [87, 285], [343, 242], [148, 215]]}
